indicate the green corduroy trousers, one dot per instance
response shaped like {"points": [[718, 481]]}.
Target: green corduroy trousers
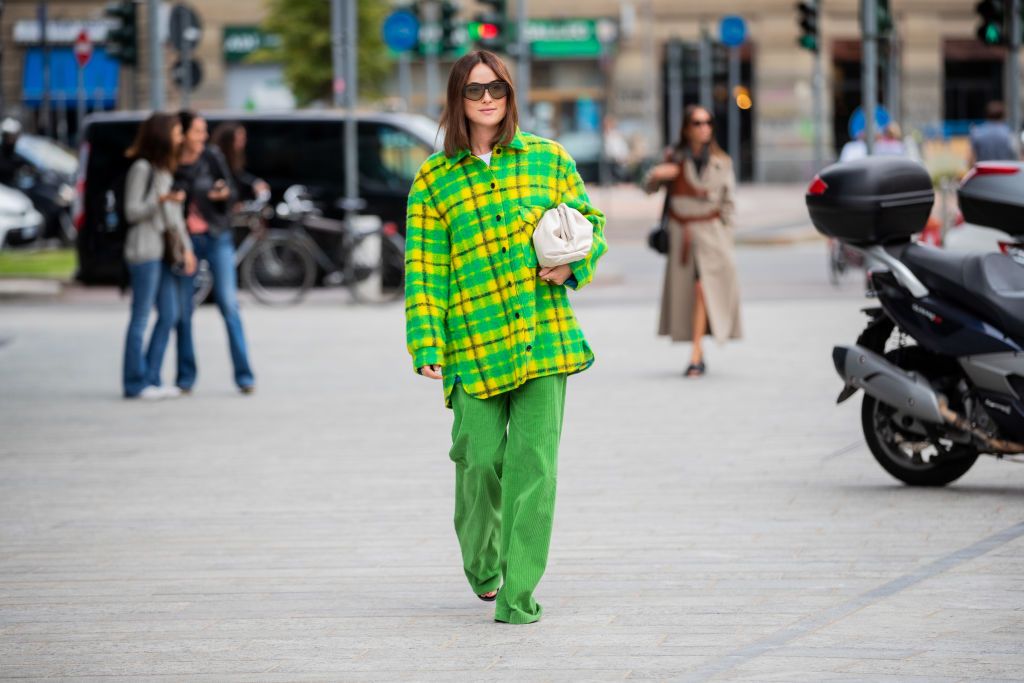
{"points": [[505, 450]]}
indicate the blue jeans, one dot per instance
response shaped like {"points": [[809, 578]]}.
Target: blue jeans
{"points": [[219, 252], [152, 284]]}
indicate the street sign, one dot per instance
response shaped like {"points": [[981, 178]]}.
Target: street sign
{"points": [[178, 75], [83, 49], [186, 29], [856, 125], [732, 31], [401, 30]]}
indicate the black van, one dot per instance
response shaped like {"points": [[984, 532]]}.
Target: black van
{"points": [[284, 149]]}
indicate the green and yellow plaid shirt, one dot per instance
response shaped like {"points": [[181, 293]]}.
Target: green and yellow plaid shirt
{"points": [[473, 301]]}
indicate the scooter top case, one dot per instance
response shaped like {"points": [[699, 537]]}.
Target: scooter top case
{"points": [[992, 194], [876, 200]]}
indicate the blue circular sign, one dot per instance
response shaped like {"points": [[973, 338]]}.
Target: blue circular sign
{"points": [[732, 31], [401, 31], [856, 127]]}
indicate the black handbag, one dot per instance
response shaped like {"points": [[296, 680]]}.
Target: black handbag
{"points": [[657, 239]]}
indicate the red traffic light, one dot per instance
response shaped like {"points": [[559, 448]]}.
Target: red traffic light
{"points": [[488, 31]]}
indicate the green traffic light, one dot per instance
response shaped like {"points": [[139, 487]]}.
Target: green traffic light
{"points": [[993, 36], [809, 42]]}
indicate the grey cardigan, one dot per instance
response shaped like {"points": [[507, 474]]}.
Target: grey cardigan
{"points": [[147, 217]]}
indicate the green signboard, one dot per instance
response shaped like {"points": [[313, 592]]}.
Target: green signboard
{"points": [[242, 41], [570, 38]]}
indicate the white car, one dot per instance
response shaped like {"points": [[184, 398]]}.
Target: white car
{"points": [[20, 223]]}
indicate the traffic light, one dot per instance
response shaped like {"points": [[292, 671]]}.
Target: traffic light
{"points": [[449, 27], [490, 28], [123, 40], [884, 16], [992, 29], [807, 19]]}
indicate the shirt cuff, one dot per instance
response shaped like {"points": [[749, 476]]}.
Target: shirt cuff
{"points": [[572, 283], [428, 355]]}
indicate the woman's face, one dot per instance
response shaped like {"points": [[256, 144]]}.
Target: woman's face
{"points": [[486, 111], [240, 139], [177, 137], [195, 138], [700, 127]]}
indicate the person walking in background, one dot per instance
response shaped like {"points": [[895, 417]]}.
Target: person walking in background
{"points": [[231, 139], [210, 199], [992, 140], [497, 329], [152, 207], [701, 291]]}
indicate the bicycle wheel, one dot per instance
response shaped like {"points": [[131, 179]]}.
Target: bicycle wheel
{"points": [[372, 256], [279, 271]]}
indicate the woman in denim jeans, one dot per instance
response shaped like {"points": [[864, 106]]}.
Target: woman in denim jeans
{"points": [[211, 196], [152, 207]]}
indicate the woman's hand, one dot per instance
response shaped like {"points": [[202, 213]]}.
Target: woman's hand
{"points": [[174, 196], [431, 371], [220, 191], [190, 263], [664, 172], [556, 274]]}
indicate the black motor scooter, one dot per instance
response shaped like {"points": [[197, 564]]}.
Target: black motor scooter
{"points": [[941, 361]]}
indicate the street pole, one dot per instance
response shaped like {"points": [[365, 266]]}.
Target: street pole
{"points": [[3, 103], [186, 72], [156, 56], [1013, 73], [733, 116], [817, 95], [705, 71], [432, 32], [337, 67], [44, 109], [351, 98], [405, 79], [654, 125], [869, 71], [893, 77], [523, 54], [674, 54]]}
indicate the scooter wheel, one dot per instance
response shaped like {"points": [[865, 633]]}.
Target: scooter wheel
{"points": [[912, 458]]}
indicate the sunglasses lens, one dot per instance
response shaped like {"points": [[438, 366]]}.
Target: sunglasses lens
{"points": [[473, 92], [498, 89]]}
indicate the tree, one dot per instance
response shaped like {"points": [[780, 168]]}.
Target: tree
{"points": [[305, 30]]}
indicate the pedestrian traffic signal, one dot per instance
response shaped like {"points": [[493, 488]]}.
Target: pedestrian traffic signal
{"points": [[883, 15], [449, 27], [807, 19], [992, 29], [491, 26], [123, 39]]}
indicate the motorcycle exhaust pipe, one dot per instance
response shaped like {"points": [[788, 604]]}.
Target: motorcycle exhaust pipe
{"points": [[910, 394], [864, 369]]}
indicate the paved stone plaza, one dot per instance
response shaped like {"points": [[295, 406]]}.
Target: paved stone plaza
{"points": [[730, 528]]}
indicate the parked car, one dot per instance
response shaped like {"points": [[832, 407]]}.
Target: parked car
{"points": [[20, 222], [49, 182], [297, 148]]}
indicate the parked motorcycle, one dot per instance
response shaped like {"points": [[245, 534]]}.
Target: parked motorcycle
{"points": [[941, 362]]}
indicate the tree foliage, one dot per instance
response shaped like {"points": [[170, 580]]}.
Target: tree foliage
{"points": [[305, 30]]}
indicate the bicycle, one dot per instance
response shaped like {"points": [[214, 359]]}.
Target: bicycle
{"points": [[283, 267], [254, 217]]}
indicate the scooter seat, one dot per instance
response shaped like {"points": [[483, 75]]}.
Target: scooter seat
{"points": [[990, 283]]}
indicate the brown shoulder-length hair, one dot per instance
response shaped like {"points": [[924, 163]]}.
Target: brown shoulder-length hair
{"points": [[453, 119], [684, 137], [224, 137], [154, 142]]}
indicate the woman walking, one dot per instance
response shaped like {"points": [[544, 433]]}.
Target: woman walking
{"points": [[496, 328], [231, 139], [210, 198], [701, 293], [151, 209]]}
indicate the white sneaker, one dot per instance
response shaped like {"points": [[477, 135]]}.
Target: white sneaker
{"points": [[170, 391], [150, 393]]}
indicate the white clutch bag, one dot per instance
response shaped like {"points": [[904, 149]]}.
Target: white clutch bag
{"points": [[562, 236]]}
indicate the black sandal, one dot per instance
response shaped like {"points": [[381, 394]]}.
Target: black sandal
{"points": [[490, 599], [696, 370]]}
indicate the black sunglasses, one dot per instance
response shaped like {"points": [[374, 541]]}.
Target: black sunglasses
{"points": [[701, 122], [475, 91]]}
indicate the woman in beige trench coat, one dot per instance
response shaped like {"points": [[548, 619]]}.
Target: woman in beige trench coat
{"points": [[701, 293]]}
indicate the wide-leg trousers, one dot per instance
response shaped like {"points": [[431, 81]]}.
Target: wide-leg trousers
{"points": [[505, 450]]}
